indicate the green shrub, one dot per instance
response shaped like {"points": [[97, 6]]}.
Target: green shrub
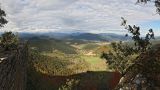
{"points": [[9, 41]]}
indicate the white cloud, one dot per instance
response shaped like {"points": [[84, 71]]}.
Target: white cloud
{"points": [[66, 15]]}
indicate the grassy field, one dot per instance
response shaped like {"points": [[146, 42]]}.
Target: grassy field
{"points": [[95, 63]]}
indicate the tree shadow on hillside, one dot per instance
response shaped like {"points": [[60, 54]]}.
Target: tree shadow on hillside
{"points": [[91, 80]]}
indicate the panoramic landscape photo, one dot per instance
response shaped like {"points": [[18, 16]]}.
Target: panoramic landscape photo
{"points": [[79, 44]]}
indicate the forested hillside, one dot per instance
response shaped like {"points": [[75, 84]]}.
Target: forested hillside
{"points": [[49, 44]]}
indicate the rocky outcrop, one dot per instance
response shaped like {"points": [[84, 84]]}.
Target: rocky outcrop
{"points": [[13, 69], [145, 71]]}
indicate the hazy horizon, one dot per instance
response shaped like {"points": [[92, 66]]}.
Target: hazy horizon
{"points": [[92, 16]]}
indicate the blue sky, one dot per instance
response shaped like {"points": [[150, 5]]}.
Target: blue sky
{"points": [[96, 16]]}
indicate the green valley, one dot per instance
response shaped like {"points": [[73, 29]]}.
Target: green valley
{"points": [[51, 58]]}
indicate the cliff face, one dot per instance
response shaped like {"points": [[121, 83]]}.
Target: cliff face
{"points": [[13, 69]]}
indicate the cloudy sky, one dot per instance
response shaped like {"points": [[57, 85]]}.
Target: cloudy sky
{"points": [[96, 16]]}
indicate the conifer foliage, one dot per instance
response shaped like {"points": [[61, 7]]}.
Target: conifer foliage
{"points": [[141, 44], [156, 4], [3, 21], [9, 41]]}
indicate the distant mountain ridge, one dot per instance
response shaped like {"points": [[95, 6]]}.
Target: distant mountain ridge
{"points": [[79, 36], [98, 37], [87, 36]]}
